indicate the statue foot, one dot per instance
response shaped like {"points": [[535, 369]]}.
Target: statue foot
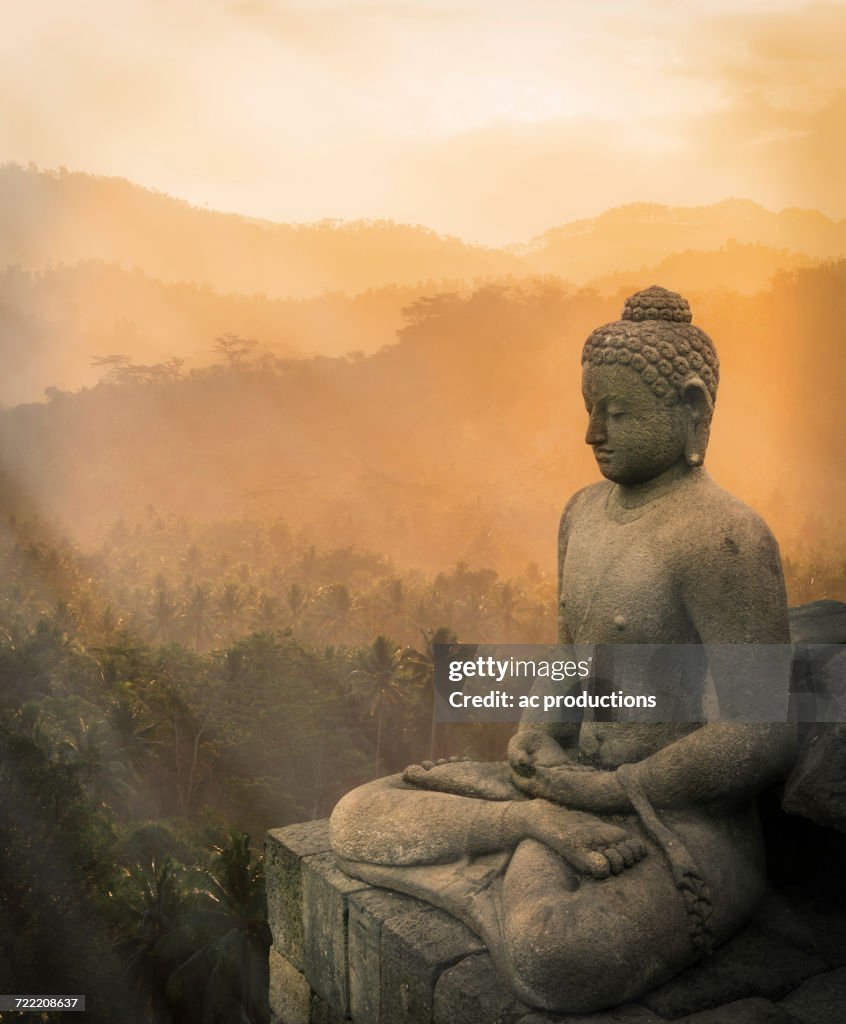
{"points": [[483, 780], [585, 842]]}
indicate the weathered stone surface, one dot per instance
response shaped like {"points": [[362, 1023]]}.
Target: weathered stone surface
{"points": [[325, 890], [323, 1013], [290, 995], [745, 1011], [627, 1014], [471, 993], [284, 850], [416, 949], [368, 910], [820, 1000], [754, 963]]}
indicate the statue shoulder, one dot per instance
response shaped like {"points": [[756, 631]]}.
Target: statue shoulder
{"points": [[724, 524], [586, 501], [730, 572]]}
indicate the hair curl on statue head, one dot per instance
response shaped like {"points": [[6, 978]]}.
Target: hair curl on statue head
{"points": [[657, 339]]}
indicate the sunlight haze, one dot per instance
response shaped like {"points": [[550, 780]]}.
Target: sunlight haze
{"points": [[489, 120]]}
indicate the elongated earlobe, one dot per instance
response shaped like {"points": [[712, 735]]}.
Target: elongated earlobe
{"points": [[699, 405]]}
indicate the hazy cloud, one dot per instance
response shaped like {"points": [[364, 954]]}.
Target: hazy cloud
{"points": [[493, 120]]}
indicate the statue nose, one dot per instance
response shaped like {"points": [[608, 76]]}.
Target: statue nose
{"points": [[595, 430]]}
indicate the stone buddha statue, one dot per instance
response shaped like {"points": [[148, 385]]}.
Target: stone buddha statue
{"points": [[605, 856]]}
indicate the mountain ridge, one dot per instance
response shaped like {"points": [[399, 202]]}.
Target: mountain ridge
{"points": [[67, 216]]}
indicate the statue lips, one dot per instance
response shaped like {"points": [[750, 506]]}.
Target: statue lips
{"points": [[602, 454]]}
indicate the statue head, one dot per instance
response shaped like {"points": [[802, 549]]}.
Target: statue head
{"points": [[649, 382]]}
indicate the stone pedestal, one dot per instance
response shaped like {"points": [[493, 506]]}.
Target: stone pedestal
{"points": [[345, 951]]}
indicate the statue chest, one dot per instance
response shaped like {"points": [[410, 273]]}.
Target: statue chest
{"points": [[619, 584]]}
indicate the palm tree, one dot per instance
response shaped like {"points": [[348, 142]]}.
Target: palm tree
{"points": [[335, 613], [197, 615], [508, 601], [296, 600], [378, 681], [230, 967], [88, 744], [266, 613], [391, 603], [230, 601], [420, 666], [163, 613], [134, 733], [158, 903]]}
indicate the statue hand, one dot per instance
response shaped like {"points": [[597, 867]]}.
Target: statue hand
{"points": [[576, 786], [529, 747]]}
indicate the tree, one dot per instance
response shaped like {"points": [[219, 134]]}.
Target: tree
{"points": [[230, 601], [267, 612], [231, 963], [296, 600], [157, 900], [508, 601], [334, 612], [163, 614], [234, 348], [198, 615], [377, 680], [197, 949], [420, 665], [56, 866]]}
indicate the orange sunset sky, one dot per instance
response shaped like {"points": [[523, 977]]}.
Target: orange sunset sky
{"points": [[487, 119]]}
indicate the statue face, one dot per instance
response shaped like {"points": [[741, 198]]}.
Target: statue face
{"points": [[634, 436]]}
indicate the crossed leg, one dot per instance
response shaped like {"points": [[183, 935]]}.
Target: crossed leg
{"points": [[573, 913]]}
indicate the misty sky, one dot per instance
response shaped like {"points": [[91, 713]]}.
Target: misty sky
{"points": [[488, 119]]}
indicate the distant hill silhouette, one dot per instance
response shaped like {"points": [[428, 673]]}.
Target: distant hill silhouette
{"points": [[734, 267], [63, 217], [47, 218], [643, 234]]}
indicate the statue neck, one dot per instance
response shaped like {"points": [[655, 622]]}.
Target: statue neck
{"points": [[636, 495]]}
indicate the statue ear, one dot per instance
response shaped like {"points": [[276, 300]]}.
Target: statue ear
{"points": [[697, 400]]}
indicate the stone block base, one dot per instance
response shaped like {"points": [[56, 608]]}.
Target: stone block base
{"points": [[345, 951]]}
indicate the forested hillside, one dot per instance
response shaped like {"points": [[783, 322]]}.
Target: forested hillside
{"points": [[93, 267], [460, 441]]}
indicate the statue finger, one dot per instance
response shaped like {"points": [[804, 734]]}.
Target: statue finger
{"points": [[524, 768], [527, 783]]}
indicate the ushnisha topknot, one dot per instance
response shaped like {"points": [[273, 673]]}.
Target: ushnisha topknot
{"points": [[657, 339]]}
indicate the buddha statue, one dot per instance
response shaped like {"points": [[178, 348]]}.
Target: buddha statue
{"points": [[603, 857]]}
